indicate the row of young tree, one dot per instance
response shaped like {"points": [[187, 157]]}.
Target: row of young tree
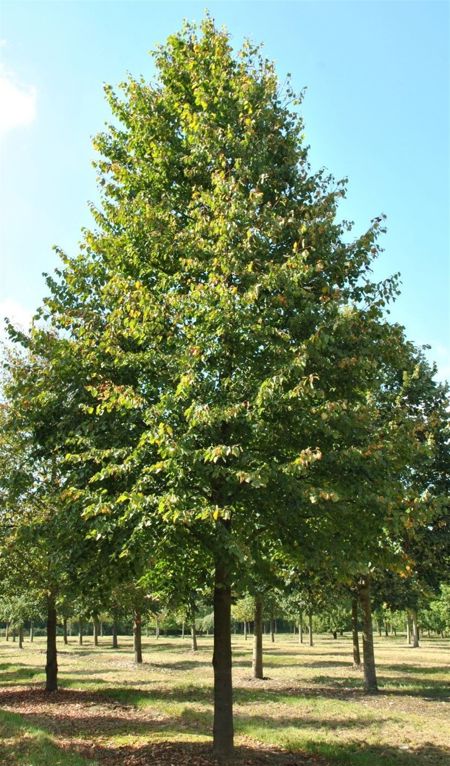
{"points": [[211, 401]]}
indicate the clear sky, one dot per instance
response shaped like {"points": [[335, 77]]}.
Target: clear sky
{"points": [[376, 110]]}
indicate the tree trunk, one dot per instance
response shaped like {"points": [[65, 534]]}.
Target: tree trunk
{"points": [[182, 629], [65, 639], [273, 628], [7, 631], [156, 627], [14, 635], [51, 668], [115, 643], [257, 661], [101, 629], [31, 631], [245, 630], [310, 629], [300, 628], [80, 634], [334, 634], [408, 631], [20, 636], [370, 677], [223, 689], [415, 629], [137, 636], [194, 645], [96, 631], [355, 637], [386, 631]]}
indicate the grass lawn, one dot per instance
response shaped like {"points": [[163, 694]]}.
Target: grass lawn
{"points": [[310, 709]]}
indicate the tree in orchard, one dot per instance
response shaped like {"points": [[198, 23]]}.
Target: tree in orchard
{"points": [[223, 316]]}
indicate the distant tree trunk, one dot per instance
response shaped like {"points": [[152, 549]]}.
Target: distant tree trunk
{"points": [[355, 637], [386, 631], [334, 634], [300, 628], [14, 635], [137, 636], [7, 631], [370, 678], [96, 630], [194, 645], [257, 661], [408, 630], [311, 642], [51, 668], [101, 628], [415, 629], [245, 630], [182, 629], [31, 631], [65, 639], [380, 632], [80, 634], [115, 643], [21, 636], [223, 690], [273, 628], [156, 627]]}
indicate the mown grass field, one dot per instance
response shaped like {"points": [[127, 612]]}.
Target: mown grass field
{"points": [[311, 708]]}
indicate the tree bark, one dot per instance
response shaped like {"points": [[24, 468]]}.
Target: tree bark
{"points": [[257, 661], [31, 631], [7, 631], [65, 639], [370, 677], [51, 668], [80, 634], [355, 637], [223, 689], [272, 630], [334, 634], [115, 643], [415, 629], [245, 630], [311, 642], [300, 628], [96, 631], [21, 636], [137, 636], [194, 645]]}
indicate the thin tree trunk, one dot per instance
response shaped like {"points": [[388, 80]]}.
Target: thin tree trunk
{"points": [[20, 636], [222, 662], [245, 630], [80, 634], [31, 631], [101, 629], [415, 629], [182, 629], [273, 628], [370, 677], [7, 631], [300, 628], [137, 636], [156, 627], [115, 643], [51, 668], [95, 631], [311, 642], [355, 637], [257, 661], [14, 635], [194, 645], [334, 634], [65, 639]]}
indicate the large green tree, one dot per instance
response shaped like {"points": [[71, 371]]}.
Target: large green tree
{"points": [[227, 326]]}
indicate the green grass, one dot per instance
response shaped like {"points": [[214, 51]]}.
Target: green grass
{"points": [[25, 745], [311, 702]]}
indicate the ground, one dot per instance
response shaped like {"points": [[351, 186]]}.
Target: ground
{"points": [[310, 710]]}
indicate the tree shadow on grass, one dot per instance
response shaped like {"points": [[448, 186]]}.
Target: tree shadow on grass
{"points": [[388, 685]]}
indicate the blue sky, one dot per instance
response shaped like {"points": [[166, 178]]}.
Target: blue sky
{"points": [[376, 110]]}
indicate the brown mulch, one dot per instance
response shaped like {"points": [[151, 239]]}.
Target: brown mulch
{"points": [[82, 721]]}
